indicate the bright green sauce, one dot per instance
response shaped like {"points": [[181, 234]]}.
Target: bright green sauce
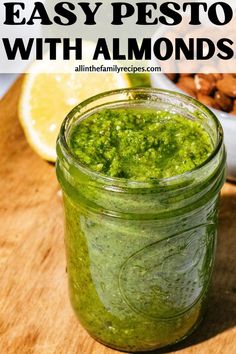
{"points": [[140, 144], [138, 281]]}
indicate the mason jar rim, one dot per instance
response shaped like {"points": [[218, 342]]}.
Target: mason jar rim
{"points": [[129, 182]]}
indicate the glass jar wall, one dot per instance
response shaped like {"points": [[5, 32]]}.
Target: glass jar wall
{"points": [[140, 254]]}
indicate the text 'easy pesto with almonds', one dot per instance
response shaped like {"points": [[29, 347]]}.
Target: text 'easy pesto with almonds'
{"points": [[141, 171]]}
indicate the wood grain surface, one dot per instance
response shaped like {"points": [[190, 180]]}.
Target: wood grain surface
{"points": [[36, 316]]}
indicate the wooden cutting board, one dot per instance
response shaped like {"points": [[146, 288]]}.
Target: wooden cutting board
{"points": [[36, 316]]}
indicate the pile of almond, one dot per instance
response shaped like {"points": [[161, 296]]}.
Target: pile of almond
{"points": [[214, 90]]}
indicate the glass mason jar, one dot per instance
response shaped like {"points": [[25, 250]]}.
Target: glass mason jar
{"points": [[140, 254]]}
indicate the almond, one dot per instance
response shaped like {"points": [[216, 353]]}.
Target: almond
{"points": [[217, 76], [186, 89], [187, 82], [213, 89], [207, 100], [205, 83], [227, 85], [224, 102], [227, 76]]}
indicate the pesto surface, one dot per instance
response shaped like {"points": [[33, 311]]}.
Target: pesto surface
{"points": [[139, 144]]}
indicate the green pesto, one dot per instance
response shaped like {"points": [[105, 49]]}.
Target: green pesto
{"points": [[139, 261], [132, 286], [140, 144]]}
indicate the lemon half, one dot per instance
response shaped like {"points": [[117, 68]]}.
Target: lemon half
{"points": [[47, 98]]}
